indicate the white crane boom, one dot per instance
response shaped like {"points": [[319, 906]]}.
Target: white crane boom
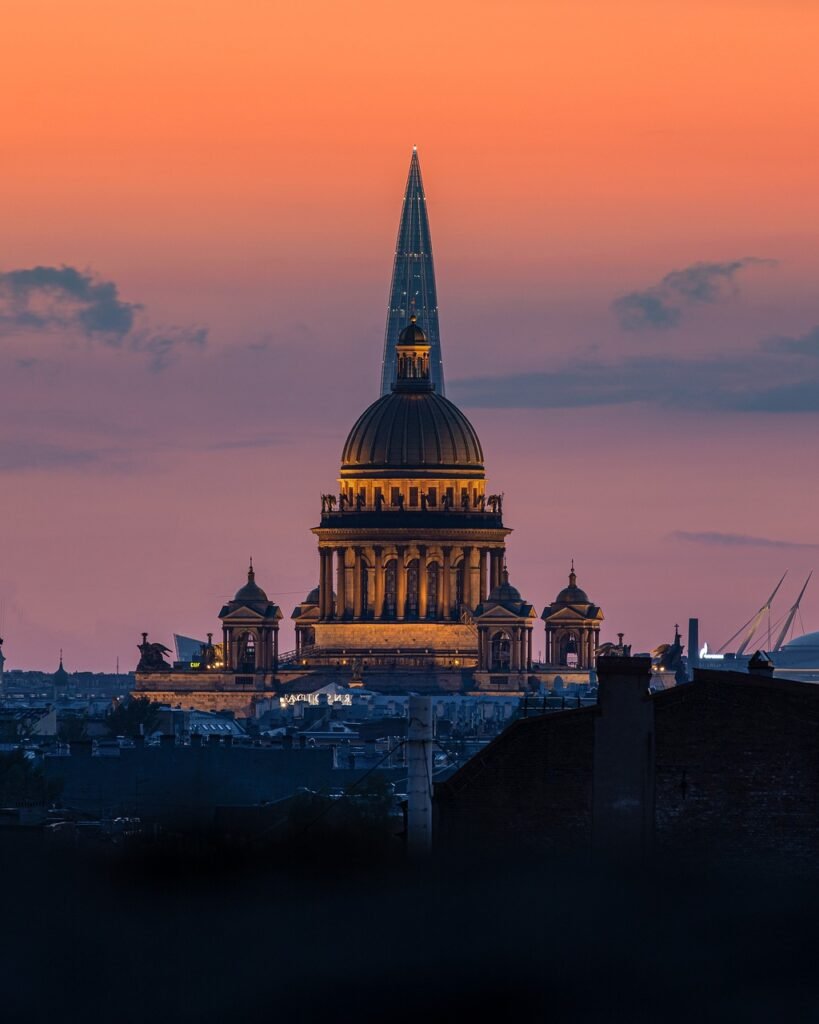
{"points": [[791, 615]]}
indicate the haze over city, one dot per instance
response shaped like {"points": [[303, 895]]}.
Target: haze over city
{"points": [[199, 211]]}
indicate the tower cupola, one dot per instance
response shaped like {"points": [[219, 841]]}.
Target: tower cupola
{"points": [[412, 358]]}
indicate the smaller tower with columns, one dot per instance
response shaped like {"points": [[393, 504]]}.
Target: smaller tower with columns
{"points": [[250, 629], [572, 627], [504, 621]]}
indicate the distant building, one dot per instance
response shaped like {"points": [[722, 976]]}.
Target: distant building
{"points": [[413, 591]]}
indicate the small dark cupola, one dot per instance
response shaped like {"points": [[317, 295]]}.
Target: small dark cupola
{"points": [[412, 354]]}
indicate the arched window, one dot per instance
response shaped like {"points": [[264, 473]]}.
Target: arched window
{"points": [[501, 652], [390, 586], [568, 650], [247, 653], [412, 589], [432, 590], [459, 586]]}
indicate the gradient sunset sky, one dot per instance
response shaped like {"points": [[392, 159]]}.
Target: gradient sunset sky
{"points": [[198, 210]]}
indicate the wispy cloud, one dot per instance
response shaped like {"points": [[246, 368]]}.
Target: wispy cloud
{"points": [[806, 344], [761, 379], [661, 306], [26, 455], [44, 299], [734, 540]]}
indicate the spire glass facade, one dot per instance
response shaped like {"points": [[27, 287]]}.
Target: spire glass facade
{"points": [[413, 283]]}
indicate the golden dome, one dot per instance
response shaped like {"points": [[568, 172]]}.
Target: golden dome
{"points": [[417, 431]]}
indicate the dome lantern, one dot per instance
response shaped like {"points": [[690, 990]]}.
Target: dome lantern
{"points": [[412, 356]]}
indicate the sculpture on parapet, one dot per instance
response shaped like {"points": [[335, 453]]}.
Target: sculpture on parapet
{"points": [[328, 503], [152, 656], [495, 502]]}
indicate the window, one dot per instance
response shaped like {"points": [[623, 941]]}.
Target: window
{"points": [[413, 497], [432, 496], [412, 589], [390, 581], [501, 652], [432, 590]]}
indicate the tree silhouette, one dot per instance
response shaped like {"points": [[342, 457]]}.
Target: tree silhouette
{"points": [[138, 716]]}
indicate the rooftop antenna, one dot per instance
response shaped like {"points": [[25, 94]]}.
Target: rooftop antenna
{"points": [[791, 616]]}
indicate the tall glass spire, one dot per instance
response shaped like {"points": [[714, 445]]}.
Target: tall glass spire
{"points": [[413, 283]]}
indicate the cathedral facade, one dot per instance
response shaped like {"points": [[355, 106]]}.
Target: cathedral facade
{"points": [[413, 589]]}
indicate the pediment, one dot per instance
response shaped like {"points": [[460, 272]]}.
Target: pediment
{"points": [[499, 613], [245, 614], [567, 615]]}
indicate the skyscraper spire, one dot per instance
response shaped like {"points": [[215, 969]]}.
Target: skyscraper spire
{"points": [[413, 282]]}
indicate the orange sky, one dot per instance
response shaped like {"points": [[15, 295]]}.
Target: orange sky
{"points": [[239, 165]]}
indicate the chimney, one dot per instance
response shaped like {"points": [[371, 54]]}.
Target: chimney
{"points": [[693, 646], [623, 794]]}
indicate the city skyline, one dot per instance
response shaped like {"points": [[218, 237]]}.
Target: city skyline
{"points": [[192, 299]]}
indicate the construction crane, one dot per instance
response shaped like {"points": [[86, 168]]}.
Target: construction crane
{"points": [[752, 625], [791, 615]]}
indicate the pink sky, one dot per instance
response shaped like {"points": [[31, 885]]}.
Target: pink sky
{"points": [[235, 171]]}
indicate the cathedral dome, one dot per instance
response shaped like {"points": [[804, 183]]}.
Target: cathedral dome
{"points": [[251, 592], [413, 430], [572, 594]]}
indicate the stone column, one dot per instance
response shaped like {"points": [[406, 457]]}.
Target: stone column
{"points": [[483, 558], [422, 582], [226, 659], [340, 583], [493, 562], [325, 583], [475, 580], [515, 666], [322, 585], [357, 583], [261, 650], [378, 559], [370, 585], [401, 584], [467, 576], [528, 650], [444, 602], [349, 562], [275, 664]]}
